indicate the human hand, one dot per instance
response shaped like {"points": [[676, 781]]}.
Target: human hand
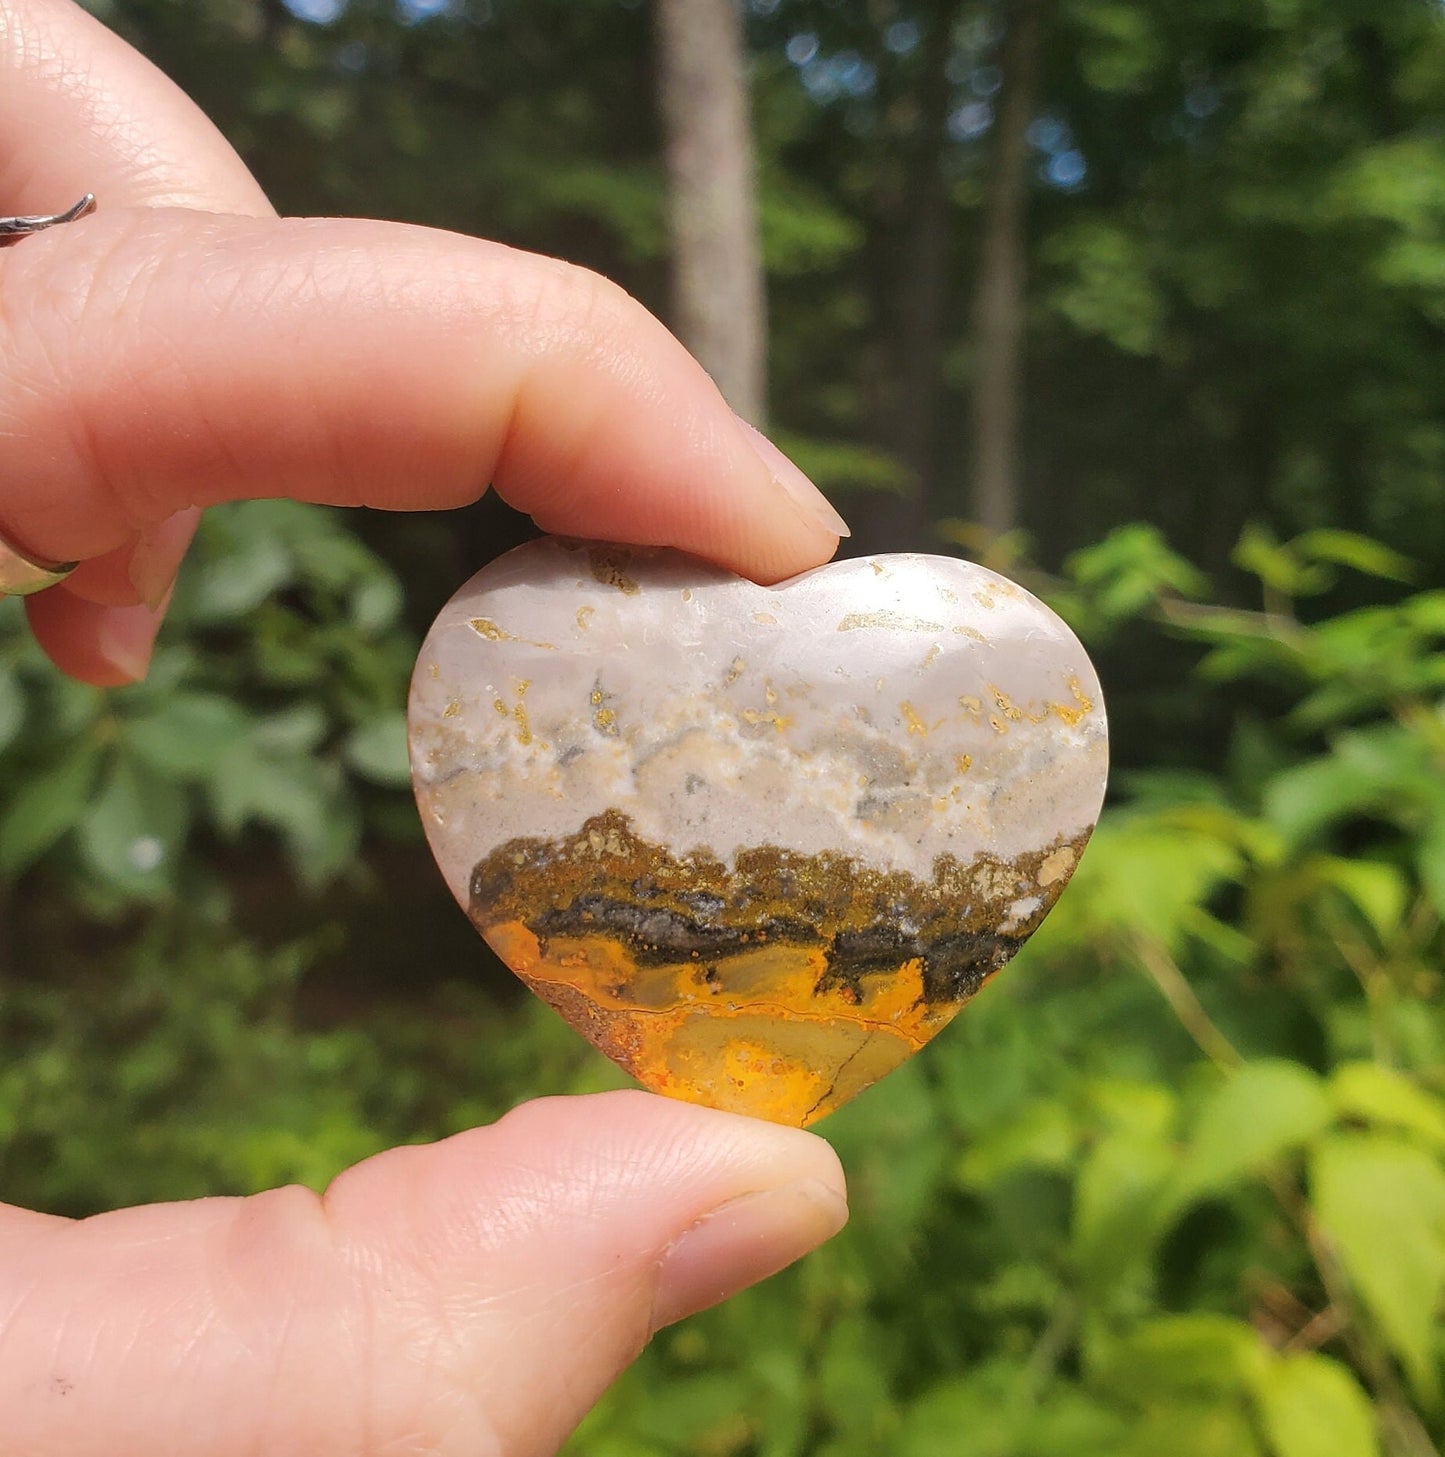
{"points": [[184, 347]]}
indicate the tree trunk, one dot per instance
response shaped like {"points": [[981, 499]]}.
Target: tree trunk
{"points": [[923, 284], [999, 305], [719, 308]]}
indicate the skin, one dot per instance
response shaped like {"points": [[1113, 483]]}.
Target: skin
{"points": [[474, 1296]]}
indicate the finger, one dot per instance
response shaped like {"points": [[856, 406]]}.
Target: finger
{"points": [[106, 646], [475, 1296], [157, 361], [81, 111], [144, 572]]}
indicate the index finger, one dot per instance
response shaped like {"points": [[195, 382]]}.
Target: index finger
{"points": [[161, 360]]}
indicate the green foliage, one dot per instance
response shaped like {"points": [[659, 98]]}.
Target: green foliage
{"points": [[1176, 1182], [273, 707]]}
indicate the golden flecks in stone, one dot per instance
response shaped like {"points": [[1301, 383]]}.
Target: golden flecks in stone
{"points": [[1083, 704], [519, 711], [971, 705], [604, 716], [584, 618], [736, 669], [755, 716], [910, 717], [453, 708], [609, 566], [779, 987], [855, 621], [485, 627], [930, 655], [687, 594], [963, 630], [500, 706], [433, 669], [963, 762], [997, 724], [765, 619], [878, 568], [1005, 705], [984, 600], [770, 694]]}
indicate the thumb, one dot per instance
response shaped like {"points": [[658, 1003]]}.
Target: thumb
{"points": [[473, 1296]]}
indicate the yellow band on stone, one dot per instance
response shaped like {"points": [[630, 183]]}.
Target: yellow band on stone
{"points": [[20, 576]]}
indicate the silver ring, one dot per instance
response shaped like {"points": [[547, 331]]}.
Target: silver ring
{"points": [[20, 575], [12, 228]]}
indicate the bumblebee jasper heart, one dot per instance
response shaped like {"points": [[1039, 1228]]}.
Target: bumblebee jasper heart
{"points": [[757, 844]]}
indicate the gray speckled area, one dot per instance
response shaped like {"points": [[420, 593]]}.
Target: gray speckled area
{"points": [[889, 709]]}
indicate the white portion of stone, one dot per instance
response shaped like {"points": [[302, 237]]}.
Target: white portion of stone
{"points": [[891, 709]]}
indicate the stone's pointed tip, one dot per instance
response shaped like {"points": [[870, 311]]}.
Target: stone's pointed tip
{"points": [[758, 845]]}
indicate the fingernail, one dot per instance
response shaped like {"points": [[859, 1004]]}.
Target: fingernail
{"points": [[126, 639], [798, 488], [158, 554], [152, 571], [742, 1242]]}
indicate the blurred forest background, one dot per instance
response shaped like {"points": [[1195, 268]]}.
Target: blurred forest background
{"points": [[1140, 300]]}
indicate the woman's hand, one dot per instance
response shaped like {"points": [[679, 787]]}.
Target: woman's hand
{"points": [[183, 347]]}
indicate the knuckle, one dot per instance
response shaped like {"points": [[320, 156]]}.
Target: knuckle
{"points": [[73, 307]]}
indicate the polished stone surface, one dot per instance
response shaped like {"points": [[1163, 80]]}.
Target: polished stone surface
{"points": [[758, 844]]}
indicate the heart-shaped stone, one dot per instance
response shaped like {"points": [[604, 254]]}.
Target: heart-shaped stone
{"points": [[758, 844]]}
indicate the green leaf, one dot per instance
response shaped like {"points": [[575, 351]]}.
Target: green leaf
{"points": [[256, 565], [1197, 1429], [1259, 1113], [1373, 1093], [966, 1416], [377, 751], [188, 735], [1141, 874], [1182, 1356], [12, 705], [296, 730], [376, 602], [842, 465], [1382, 1202], [1378, 891], [853, 1382], [301, 798], [49, 803], [692, 1409], [1109, 290], [1045, 1135], [131, 836], [1132, 569], [1360, 553], [1311, 1406], [1279, 568], [1430, 858], [1120, 1206]]}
